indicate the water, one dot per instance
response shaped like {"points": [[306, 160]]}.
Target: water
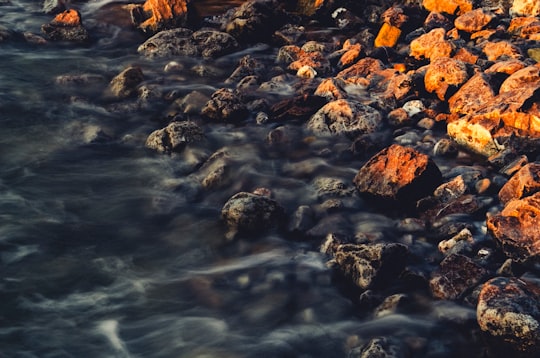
{"points": [[108, 250]]}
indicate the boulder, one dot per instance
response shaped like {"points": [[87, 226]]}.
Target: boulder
{"points": [[398, 173], [497, 49], [66, 26], [517, 228], [367, 265], [347, 117], [523, 183], [474, 20], [444, 76], [457, 274], [164, 14], [246, 213], [451, 7], [526, 80], [225, 105], [473, 95], [125, 84], [508, 311], [525, 8], [476, 133], [432, 45], [174, 137], [212, 44]]}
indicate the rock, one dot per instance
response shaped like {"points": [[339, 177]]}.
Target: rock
{"points": [[380, 347], [164, 14], [524, 80], [517, 228], [388, 36], [473, 95], [347, 117], [431, 46], [247, 66], [524, 183], [212, 44], [66, 26], [474, 20], [309, 7], [367, 265], [169, 43], [174, 137], [125, 84], [351, 55], [347, 20], [525, 8], [246, 213], [331, 89], [508, 67], [361, 69], [476, 133], [444, 75], [496, 50], [451, 7], [456, 275], [398, 173], [459, 242], [391, 305], [53, 7], [508, 311], [331, 187], [451, 190], [316, 60], [302, 220], [226, 106]]}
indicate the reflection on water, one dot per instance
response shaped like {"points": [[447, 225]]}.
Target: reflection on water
{"points": [[107, 250]]}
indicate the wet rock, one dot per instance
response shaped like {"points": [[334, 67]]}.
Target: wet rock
{"points": [[225, 105], [212, 44], [125, 84], [517, 228], [391, 305], [367, 265], [432, 45], [192, 103], [332, 187], [169, 43], [331, 89], [444, 75], [346, 19], [473, 95], [316, 60], [525, 8], [164, 14], [352, 53], [398, 173], [347, 117], [474, 20], [247, 66], [361, 69], [53, 7], [523, 183], [66, 26], [255, 20], [476, 133], [174, 137], [451, 7], [508, 311], [456, 275], [383, 347], [457, 244], [302, 220], [390, 32], [246, 213]]}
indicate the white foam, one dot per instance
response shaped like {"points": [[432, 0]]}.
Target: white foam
{"points": [[109, 328]]}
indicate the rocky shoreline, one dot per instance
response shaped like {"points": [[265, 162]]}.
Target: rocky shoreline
{"points": [[404, 89]]}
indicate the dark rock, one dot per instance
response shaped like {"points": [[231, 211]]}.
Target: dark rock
{"points": [[53, 7], [517, 228], [158, 15], [380, 347], [66, 26], [246, 213], [212, 44], [456, 275], [508, 312], [169, 43], [302, 220], [174, 137], [225, 105], [523, 183], [398, 173], [247, 66], [125, 84]]}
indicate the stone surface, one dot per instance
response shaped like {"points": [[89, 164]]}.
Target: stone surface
{"points": [[457, 274], [315, 60], [125, 84], [347, 117], [225, 106], [451, 7], [476, 133], [388, 36], [508, 311], [444, 75], [498, 49], [174, 137], [517, 228], [523, 183], [246, 213], [54, 6], [66, 26], [524, 80], [398, 173], [474, 20], [525, 8], [255, 20], [473, 95], [163, 14], [432, 45], [380, 347]]}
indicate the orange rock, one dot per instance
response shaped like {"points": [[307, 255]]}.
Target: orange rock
{"points": [[315, 60], [443, 73], [523, 183], [331, 89], [508, 67], [309, 7], [526, 78], [474, 20], [525, 8], [69, 18], [466, 56], [432, 45], [476, 133], [452, 7], [494, 50], [388, 36], [163, 12], [362, 68], [473, 95], [349, 57], [518, 24], [528, 123], [484, 34]]}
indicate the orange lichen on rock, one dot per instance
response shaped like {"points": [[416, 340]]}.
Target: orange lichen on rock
{"points": [[163, 11], [388, 36], [68, 18], [451, 7], [352, 55], [432, 45]]}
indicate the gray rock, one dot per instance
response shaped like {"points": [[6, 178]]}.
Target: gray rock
{"points": [[174, 137], [225, 105], [125, 84], [168, 43], [53, 7], [380, 347], [77, 34], [212, 44]]}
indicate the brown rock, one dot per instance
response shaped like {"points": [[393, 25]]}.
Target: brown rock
{"points": [[508, 67], [525, 8], [456, 275], [451, 7], [315, 60], [398, 173], [388, 36], [225, 105], [67, 18], [174, 137], [164, 13], [517, 228], [508, 311], [473, 95], [361, 69], [443, 74], [331, 89], [309, 7], [527, 79], [437, 20], [466, 56], [432, 45], [523, 183], [66, 26], [351, 55], [125, 84], [474, 20], [494, 50]]}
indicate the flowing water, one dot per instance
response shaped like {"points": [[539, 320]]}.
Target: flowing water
{"points": [[108, 250]]}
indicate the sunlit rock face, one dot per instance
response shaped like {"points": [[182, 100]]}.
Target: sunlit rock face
{"points": [[164, 13]]}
